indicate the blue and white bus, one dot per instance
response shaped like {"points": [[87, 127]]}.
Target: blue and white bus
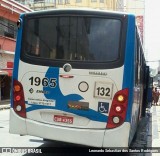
{"points": [[78, 77]]}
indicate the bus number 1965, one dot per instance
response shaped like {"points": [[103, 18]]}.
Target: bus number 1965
{"points": [[45, 82]]}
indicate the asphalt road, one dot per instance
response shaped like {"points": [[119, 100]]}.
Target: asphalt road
{"points": [[16, 142]]}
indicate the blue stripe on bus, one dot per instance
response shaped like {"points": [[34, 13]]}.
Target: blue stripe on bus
{"points": [[90, 114], [18, 50], [62, 100], [17, 56], [128, 77]]}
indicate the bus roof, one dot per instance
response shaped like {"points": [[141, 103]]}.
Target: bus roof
{"points": [[87, 10]]}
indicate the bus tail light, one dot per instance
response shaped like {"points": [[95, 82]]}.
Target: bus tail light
{"points": [[18, 99], [118, 109]]}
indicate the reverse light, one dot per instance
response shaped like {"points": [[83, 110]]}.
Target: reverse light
{"points": [[18, 108], [116, 119]]}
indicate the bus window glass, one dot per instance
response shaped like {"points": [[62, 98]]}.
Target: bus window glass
{"points": [[73, 38]]}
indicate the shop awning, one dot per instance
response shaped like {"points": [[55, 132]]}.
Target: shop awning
{"points": [[6, 72]]}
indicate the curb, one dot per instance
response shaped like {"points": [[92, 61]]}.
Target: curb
{"points": [[2, 107]]}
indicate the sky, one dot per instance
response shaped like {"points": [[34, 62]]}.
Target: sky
{"points": [[152, 31]]}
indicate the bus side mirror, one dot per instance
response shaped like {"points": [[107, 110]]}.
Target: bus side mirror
{"points": [[19, 23]]}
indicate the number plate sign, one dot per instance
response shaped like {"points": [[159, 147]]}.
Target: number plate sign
{"points": [[63, 119], [103, 90]]}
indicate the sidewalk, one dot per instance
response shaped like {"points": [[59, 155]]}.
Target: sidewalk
{"points": [[5, 104], [148, 133], [153, 132], [155, 126]]}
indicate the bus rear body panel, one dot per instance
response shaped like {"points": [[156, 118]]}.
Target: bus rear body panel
{"points": [[72, 102]]}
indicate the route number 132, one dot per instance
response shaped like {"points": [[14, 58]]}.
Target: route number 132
{"points": [[103, 90]]}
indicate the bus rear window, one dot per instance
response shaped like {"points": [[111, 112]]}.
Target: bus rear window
{"points": [[73, 38]]}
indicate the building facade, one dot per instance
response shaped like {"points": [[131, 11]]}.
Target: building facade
{"points": [[136, 7], [52, 4], [9, 14]]}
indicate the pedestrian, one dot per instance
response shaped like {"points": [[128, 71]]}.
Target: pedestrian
{"points": [[155, 94]]}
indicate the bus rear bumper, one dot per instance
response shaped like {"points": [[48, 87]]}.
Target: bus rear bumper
{"points": [[117, 137], [71, 135], [17, 124], [91, 137]]}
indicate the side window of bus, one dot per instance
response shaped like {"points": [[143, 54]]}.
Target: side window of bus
{"points": [[139, 62], [136, 59], [141, 67]]}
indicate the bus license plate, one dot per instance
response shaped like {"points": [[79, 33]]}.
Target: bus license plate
{"points": [[63, 119]]}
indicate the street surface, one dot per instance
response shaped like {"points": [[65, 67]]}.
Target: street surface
{"points": [[148, 135], [13, 140]]}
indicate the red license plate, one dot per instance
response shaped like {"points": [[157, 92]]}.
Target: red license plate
{"points": [[63, 119]]}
